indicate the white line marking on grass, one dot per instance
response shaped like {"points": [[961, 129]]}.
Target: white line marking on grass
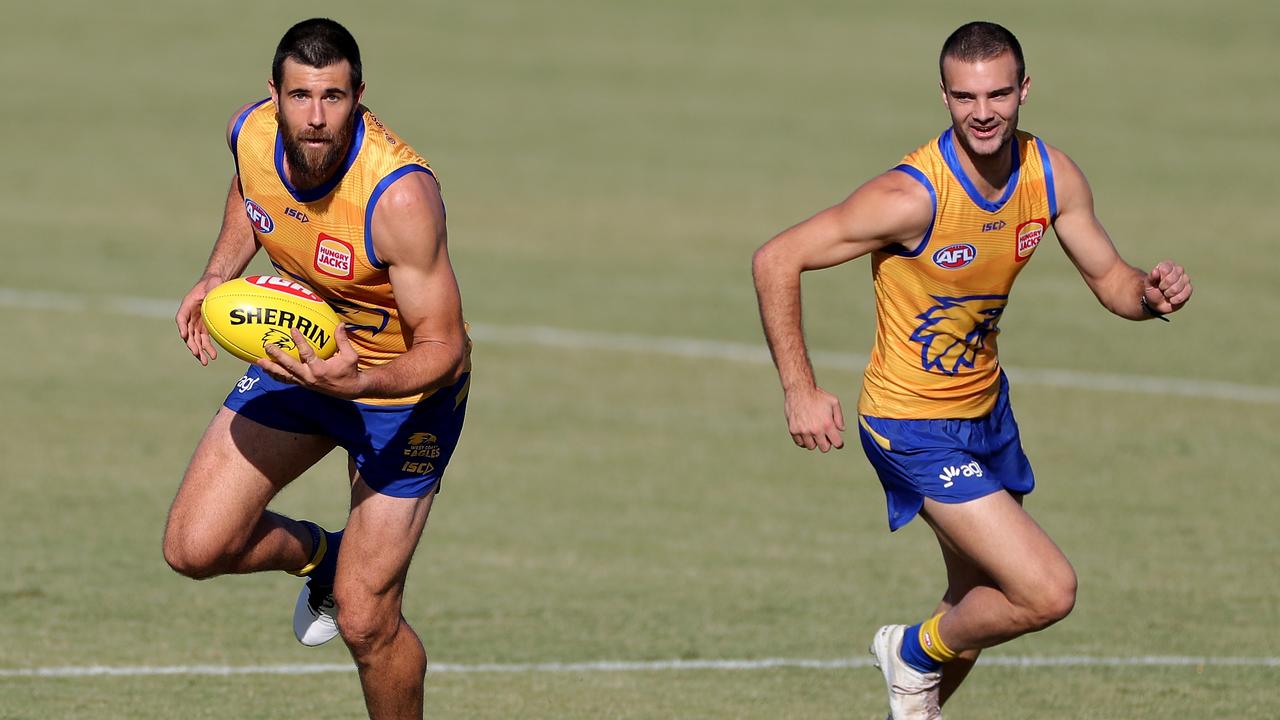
{"points": [[141, 670], [758, 354], [117, 305], [696, 348], [636, 666], [846, 663]]}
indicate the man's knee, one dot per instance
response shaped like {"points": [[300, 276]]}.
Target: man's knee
{"points": [[366, 624], [194, 554], [1053, 601], [1060, 600]]}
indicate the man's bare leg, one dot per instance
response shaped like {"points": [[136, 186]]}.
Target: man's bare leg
{"points": [[962, 576], [218, 522], [381, 536], [1029, 582], [1006, 578]]}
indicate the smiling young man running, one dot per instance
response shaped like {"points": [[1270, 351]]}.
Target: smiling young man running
{"points": [[342, 204], [948, 230]]}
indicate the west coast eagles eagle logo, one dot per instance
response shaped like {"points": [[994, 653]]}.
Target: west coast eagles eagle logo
{"points": [[955, 330], [279, 338]]}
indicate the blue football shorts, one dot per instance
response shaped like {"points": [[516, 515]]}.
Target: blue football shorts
{"points": [[950, 461], [399, 450]]}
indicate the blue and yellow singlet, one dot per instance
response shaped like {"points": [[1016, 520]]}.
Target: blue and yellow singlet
{"points": [[323, 236], [937, 307]]}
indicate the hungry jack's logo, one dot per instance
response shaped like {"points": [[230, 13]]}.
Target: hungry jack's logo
{"points": [[955, 330], [1029, 235], [334, 257]]}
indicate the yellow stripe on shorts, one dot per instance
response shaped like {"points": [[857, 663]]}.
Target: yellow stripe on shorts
{"points": [[881, 440]]}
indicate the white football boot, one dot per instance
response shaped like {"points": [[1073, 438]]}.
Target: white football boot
{"points": [[913, 695], [315, 616]]}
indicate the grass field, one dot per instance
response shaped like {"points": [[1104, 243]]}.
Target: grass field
{"points": [[609, 168]]}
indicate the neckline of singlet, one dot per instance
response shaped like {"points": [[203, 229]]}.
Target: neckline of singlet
{"points": [[315, 193], [947, 146]]}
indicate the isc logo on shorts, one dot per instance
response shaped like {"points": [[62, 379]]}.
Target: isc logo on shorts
{"points": [[334, 257]]}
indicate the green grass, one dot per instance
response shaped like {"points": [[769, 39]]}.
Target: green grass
{"points": [[609, 167]]}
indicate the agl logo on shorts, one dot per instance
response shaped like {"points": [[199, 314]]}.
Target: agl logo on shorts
{"points": [[334, 257], [950, 473]]}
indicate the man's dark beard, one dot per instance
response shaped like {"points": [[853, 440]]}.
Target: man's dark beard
{"points": [[304, 173]]}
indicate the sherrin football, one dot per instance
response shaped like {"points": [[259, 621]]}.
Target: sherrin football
{"points": [[247, 314]]}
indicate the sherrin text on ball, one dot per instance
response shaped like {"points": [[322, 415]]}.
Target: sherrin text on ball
{"points": [[247, 314]]}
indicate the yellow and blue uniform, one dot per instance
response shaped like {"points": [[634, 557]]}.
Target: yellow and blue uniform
{"points": [[322, 237], [934, 415]]}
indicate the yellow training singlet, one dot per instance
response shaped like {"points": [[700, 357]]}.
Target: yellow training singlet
{"points": [[937, 307], [322, 237]]}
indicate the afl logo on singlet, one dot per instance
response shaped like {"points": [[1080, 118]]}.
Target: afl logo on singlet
{"points": [[954, 257], [262, 222]]}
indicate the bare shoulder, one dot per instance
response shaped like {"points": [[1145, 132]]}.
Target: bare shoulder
{"points": [[231, 124], [1060, 161], [1070, 184], [408, 219], [411, 194], [898, 190], [893, 206]]}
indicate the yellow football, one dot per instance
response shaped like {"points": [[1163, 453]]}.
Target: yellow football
{"points": [[247, 314]]}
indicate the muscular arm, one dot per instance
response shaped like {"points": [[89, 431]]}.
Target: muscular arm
{"points": [[236, 244], [1118, 285], [235, 247], [891, 208], [409, 235]]}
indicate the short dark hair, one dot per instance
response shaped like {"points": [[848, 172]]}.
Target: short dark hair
{"points": [[976, 41], [318, 43]]}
